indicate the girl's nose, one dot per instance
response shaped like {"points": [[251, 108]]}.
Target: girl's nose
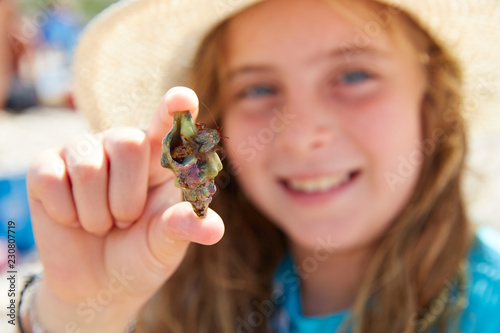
{"points": [[309, 131]]}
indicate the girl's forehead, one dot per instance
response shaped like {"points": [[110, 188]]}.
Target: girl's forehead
{"points": [[273, 16], [306, 28]]}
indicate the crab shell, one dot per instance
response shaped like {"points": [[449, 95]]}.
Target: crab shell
{"points": [[195, 173]]}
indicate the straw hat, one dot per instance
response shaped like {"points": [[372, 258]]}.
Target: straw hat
{"points": [[135, 50]]}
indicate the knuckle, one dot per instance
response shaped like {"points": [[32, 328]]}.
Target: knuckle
{"points": [[45, 182], [45, 173], [126, 212], [99, 229], [64, 216], [84, 172], [131, 147], [127, 141]]}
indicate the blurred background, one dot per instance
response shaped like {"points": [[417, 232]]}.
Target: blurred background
{"points": [[37, 39]]}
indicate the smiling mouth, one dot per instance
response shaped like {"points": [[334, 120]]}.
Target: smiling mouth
{"points": [[319, 184]]}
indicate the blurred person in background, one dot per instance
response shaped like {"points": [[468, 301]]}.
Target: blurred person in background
{"points": [[7, 53], [16, 89]]}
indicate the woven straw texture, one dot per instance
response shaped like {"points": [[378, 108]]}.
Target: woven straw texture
{"points": [[134, 51]]}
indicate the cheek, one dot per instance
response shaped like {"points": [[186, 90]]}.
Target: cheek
{"points": [[250, 156], [240, 151], [245, 153], [246, 146], [393, 142]]}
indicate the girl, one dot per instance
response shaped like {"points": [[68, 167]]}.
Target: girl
{"points": [[341, 194]]}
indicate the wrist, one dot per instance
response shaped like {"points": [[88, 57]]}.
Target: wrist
{"points": [[42, 311]]}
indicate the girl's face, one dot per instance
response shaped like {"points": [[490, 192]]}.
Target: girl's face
{"points": [[324, 119]]}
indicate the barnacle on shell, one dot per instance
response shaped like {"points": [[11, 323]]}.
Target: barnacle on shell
{"points": [[190, 150]]}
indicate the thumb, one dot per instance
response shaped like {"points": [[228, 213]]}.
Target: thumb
{"points": [[170, 234]]}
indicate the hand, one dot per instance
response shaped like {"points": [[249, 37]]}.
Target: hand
{"points": [[109, 227]]}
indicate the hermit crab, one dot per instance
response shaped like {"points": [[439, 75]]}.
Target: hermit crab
{"points": [[190, 150]]}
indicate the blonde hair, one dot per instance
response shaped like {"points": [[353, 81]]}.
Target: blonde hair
{"points": [[217, 288]]}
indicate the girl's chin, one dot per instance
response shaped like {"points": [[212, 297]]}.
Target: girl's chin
{"points": [[323, 234]]}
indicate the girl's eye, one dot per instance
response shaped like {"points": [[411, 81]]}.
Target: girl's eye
{"points": [[354, 77], [256, 98], [258, 91], [355, 85]]}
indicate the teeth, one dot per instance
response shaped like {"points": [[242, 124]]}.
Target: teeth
{"points": [[321, 184]]}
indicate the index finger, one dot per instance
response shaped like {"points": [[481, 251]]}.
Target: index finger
{"points": [[176, 99]]}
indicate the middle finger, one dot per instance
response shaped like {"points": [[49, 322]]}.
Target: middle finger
{"points": [[128, 153]]}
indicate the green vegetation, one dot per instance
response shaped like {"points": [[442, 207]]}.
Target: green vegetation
{"points": [[87, 8]]}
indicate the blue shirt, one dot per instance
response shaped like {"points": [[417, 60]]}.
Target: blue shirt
{"points": [[482, 313]]}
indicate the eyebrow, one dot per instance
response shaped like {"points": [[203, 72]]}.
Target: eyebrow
{"points": [[248, 70], [348, 52]]}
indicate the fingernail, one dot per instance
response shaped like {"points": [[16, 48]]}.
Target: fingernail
{"points": [[181, 89]]}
